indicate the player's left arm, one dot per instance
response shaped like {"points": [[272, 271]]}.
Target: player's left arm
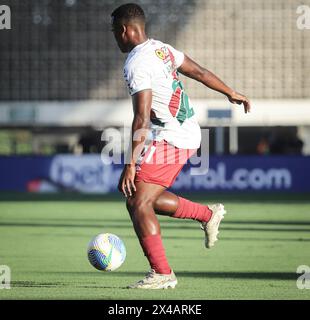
{"points": [[193, 70]]}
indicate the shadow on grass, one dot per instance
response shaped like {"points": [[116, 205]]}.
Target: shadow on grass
{"points": [[267, 197], [165, 226], [34, 284], [179, 222], [188, 274], [241, 275]]}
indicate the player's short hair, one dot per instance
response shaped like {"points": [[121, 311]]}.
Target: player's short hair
{"points": [[128, 12]]}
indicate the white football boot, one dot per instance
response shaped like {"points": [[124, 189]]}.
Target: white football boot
{"points": [[154, 280], [211, 228]]}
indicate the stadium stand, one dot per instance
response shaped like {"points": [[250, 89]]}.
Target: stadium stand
{"points": [[64, 50]]}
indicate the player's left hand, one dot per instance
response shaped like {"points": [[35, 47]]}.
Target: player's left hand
{"points": [[127, 181], [238, 98]]}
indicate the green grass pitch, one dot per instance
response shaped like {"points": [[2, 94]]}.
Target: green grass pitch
{"points": [[262, 242]]}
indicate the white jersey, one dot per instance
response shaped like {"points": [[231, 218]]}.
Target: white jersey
{"points": [[153, 65]]}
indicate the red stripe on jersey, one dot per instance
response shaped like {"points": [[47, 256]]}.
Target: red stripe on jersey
{"points": [[174, 103], [174, 71]]}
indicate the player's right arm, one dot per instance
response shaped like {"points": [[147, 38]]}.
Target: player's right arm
{"points": [[138, 78], [193, 70], [142, 102]]}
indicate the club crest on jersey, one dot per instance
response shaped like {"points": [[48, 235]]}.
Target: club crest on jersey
{"points": [[160, 54]]}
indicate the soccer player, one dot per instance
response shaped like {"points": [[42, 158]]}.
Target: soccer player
{"points": [[160, 104]]}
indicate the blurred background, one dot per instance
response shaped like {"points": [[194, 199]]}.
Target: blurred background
{"points": [[62, 88]]}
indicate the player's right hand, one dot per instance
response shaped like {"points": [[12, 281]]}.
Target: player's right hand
{"points": [[126, 183]]}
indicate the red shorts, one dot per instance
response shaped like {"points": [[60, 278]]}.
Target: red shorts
{"points": [[160, 163]]}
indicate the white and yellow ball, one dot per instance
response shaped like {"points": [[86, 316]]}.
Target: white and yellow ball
{"points": [[106, 252]]}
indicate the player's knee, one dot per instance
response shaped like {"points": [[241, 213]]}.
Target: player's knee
{"points": [[138, 205]]}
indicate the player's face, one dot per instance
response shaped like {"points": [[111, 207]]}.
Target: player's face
{"points": [[119, 35]]}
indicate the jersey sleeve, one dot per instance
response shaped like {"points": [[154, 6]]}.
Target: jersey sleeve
{"points": [[178, 56], [138, 78]]}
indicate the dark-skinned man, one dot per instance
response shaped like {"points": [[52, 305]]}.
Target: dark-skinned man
{"points": [[161, 105]]}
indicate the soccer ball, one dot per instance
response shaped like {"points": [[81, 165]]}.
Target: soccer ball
{"points": [[106, 252]]}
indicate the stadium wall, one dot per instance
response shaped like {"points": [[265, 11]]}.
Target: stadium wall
{"points": [[105, 113]]}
